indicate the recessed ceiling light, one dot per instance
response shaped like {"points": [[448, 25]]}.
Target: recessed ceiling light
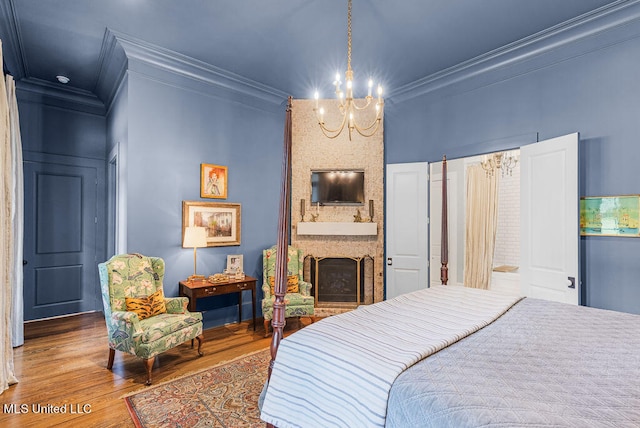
{"points": [[62, 79]]}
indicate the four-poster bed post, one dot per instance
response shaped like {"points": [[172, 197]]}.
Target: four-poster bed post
{"points": [[280, 287], [444, 248]]}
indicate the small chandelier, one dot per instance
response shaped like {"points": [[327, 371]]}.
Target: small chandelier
{"points": [[347, 104], [504, 161]]}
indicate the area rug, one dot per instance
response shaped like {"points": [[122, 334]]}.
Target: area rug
{"points": [[224, 396]]}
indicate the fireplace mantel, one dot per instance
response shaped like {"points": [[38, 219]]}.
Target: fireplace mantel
{"points": [[337, 228]]}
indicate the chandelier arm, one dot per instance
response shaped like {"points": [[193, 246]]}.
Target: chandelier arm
{"points": [[326, 134], [367, 104], [369, 134], [375, 122], [487, 165], [336, 131], [342, 103]]}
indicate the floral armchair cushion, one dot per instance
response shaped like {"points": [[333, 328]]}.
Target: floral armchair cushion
{"points": [[297, 304]]}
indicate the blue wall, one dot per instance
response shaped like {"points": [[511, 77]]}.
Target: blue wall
{"points": [[118, 117], [172, 129], [51, 125], [590, 86]]}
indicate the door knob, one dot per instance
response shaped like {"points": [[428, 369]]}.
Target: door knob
{"points": [[389, 261], [24, 262], [571, 282]]}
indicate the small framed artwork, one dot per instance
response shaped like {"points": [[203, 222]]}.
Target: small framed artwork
{"points": [[610, 216], [234, 263], [213, 181], [222, 221]]}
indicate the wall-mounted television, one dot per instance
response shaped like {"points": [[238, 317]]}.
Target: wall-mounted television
{"points": [[337, 187]]}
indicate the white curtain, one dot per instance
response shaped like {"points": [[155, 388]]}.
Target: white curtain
{"points": [[17, 214], [7, 375], [481, 224]]}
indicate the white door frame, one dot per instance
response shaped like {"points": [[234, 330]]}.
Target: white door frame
{"points": [[116, 203]]}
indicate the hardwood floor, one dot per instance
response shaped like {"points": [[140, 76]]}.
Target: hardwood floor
{"points": [[63, 363]]}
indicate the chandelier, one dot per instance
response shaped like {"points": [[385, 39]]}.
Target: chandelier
{"points": [[347, 105], [504, 161]]}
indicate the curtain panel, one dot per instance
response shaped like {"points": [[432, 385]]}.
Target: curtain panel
{"points": [[481, 225], [17, 215], [7, 376]]}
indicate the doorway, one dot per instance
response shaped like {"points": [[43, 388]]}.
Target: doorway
{"points": [[506, 257], [536, 252]]}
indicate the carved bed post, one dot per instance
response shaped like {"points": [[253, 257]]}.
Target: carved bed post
{"points": [[444, 248], [280, 287]]}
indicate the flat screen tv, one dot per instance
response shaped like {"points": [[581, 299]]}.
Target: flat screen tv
{"points": [[337, 187]]}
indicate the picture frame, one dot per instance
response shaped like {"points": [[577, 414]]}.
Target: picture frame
{"points": [[234, 264], [222, 221], [610, 216], [213, 181]]}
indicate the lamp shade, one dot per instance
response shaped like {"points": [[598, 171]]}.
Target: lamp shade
{"points": [[194, 237]]}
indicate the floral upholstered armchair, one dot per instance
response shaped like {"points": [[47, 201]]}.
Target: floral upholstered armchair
{"points": [[299, 302], [140, 320]]}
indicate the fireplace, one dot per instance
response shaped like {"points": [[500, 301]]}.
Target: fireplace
{"points": [[340, 281]]}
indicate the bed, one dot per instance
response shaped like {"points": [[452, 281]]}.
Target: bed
{"points": [[537, 363], [453, 356]]}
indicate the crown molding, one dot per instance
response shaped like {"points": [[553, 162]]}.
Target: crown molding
{"points": [[37, 90], [141, 56], [599, 28], [13, 54], [112, 66]]}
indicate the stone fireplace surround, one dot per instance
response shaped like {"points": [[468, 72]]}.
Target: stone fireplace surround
{"points": [[311, 150]]}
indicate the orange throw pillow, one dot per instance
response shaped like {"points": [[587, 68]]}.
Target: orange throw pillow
{"points": [[292, 284], [147, 307]]}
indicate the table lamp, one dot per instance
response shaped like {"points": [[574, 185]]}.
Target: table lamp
{"points": [[195, 237]]}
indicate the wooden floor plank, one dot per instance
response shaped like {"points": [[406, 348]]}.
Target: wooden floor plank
{"points": [[63, 363]]}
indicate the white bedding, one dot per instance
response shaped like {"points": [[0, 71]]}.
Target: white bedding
{"points": [[338, 372]]}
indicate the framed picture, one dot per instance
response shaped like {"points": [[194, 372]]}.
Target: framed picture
{"points": [[234, 263], [610, 216], [221, 221], [213, 181]]}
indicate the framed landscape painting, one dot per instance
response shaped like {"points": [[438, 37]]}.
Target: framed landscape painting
{"points": [[213, 181], [222, 221], [610, 216]]}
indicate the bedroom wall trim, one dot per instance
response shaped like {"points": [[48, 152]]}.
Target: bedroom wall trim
{"points": [[603, 27], [113, 67], [161, 63], [46, 93]]}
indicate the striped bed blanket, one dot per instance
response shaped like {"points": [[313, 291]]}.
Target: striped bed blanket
{"points": [[339, 371]]}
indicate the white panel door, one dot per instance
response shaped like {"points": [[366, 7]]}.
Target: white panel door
{"points": [[550, 219], [407, 262]]}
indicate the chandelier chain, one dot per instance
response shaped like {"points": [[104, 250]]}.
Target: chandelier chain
{"points": [[349, 36]]}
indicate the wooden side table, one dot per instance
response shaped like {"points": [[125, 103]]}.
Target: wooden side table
{"points": [[203, 288]]}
